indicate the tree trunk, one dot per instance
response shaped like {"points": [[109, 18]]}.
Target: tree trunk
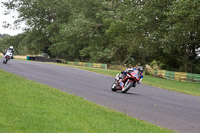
{"points": [[127, 58]]}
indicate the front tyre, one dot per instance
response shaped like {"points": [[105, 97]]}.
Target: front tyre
{"points": [[5, 61], [113, 87], [127, 87]]}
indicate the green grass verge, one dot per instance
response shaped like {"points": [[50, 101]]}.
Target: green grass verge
{"points": [[27, 106], [183, 87]]}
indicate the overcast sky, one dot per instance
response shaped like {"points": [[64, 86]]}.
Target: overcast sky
{"points": [[9, 19]]}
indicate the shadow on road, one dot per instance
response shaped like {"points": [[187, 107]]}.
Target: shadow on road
{"points": [[127, 93]]}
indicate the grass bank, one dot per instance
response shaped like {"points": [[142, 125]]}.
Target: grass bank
{"points": [[27, 106], [183, 87]]}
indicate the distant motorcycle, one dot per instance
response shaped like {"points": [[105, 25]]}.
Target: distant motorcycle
{"points": [[8, 55], [130, 79]]}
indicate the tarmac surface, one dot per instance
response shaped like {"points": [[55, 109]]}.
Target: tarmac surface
{"points": [[176, 111]]}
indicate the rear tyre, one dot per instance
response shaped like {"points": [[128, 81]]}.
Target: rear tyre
{"points": [[127, 87], [113, 87]]}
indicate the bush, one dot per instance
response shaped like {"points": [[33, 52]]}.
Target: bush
{"points": [[148, 70], [154, 64]]}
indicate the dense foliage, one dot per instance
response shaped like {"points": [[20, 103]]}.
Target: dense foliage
{"points": [[112, 31]]}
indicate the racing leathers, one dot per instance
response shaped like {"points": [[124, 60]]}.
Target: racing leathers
{"points": [[11, 50]]}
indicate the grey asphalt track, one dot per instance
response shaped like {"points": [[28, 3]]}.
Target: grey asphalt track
{"points": [[176, 111]]}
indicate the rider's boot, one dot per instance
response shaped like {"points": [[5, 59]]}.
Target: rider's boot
{"points": [[139, 82]]}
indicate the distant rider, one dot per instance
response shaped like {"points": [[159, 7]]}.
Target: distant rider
{"points": [[10, 49]]}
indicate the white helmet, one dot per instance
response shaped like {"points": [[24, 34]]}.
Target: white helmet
{"points": [[11, 47]]}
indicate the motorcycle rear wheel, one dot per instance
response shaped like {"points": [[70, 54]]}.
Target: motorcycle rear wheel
{"points": [[127, 87]]}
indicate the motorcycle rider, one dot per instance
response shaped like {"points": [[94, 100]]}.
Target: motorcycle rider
{"points": [[138, 69], [11, 49], [140, 72]]}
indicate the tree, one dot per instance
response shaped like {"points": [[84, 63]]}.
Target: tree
{"points": [[183, 36], [42, 18]]}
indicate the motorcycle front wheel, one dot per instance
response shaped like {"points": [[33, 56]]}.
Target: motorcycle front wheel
{"points": [[113, 87], [5, 61], [127, 87]]}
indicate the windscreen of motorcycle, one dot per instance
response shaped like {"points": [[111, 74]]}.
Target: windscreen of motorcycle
{"points": [[135, 74]]}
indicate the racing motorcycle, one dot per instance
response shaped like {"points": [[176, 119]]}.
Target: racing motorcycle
{"points": [[129, 79], [8, 55]]}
